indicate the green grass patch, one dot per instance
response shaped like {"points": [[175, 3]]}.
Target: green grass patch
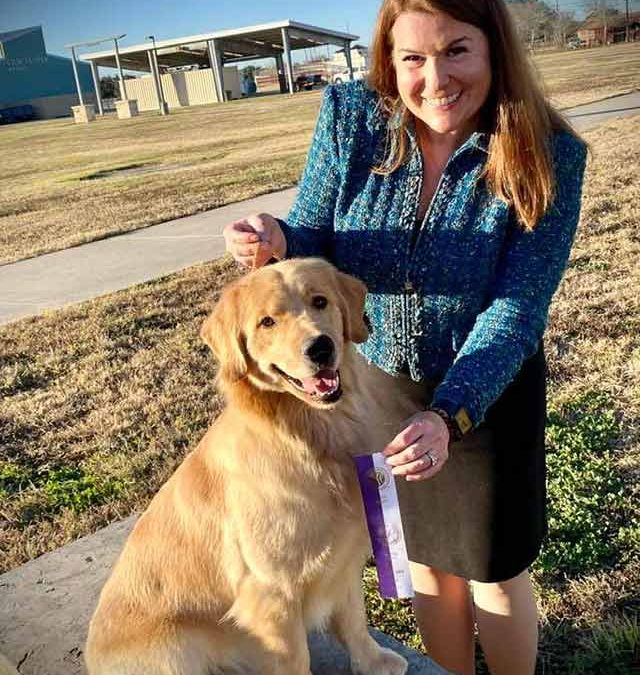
{"points": [[590, 522], [393, 617], [44, 493], [73, 488]]}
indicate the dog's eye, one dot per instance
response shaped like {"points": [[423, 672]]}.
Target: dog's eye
{"points": [[319, 301], [267, 322]]}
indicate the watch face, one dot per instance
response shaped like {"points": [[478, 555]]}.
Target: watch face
{"points": [[463, 420]]}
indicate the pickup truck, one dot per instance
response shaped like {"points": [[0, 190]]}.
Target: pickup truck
{"points": [[343, 75]]}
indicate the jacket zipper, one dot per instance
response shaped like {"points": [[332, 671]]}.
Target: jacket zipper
{"points": [[413, 241]]}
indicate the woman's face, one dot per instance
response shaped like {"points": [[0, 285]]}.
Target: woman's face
{"points": [[443, 70]]}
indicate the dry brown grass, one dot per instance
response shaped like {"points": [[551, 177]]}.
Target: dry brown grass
{"points": [[118, 389], [202, 157], [121, 387], [584, 75], [594, 331]]}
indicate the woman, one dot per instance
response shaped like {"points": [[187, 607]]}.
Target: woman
{"points": [[452, 189]]}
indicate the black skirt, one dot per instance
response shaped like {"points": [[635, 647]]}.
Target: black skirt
{"points": [[483, 516]]}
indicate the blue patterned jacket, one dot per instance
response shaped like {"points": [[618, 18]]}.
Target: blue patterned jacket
{"points": [[467, 302]]}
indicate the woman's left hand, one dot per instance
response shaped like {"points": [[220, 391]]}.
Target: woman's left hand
{"points": [[421, 449]]}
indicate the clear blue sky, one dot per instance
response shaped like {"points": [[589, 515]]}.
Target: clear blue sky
{"points": [[65, 21]]}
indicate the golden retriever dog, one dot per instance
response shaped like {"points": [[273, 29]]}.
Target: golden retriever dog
{"points": [[260, 536]]}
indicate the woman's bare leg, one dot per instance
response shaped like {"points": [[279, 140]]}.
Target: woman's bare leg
{"points": [[444, 613], [507, 620]]}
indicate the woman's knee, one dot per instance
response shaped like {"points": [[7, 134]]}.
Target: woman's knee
{"points": [[504, 597], [432, 581]]}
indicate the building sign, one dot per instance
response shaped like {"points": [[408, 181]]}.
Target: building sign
{"points": [[21, 64]]}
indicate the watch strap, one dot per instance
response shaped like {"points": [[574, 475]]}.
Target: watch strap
{"points": [[455, 433]]}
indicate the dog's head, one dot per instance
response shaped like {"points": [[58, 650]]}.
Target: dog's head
{"points": [[284, 328]]}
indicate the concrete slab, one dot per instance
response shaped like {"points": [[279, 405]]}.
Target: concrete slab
{"points": [[46, 604]]}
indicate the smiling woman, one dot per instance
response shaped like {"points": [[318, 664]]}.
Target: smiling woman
{"points": [[451, 187], [443, 71]]}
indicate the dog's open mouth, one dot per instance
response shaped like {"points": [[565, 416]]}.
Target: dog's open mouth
{"points": [[323, 386]]}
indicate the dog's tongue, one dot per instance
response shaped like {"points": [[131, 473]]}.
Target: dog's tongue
{"points": [[322, 382]]}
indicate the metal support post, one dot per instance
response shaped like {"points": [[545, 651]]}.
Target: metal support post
{"points": [[282, 82], [153, 65], [287, 58], [96, 86], [75, 74], [215, 59], [123, 86], [347, 56]]}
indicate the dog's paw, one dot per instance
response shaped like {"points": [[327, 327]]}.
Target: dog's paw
{"points": [[386, 662]]}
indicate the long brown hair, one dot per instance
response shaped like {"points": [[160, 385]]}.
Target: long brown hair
{"points": [[520, 120]]}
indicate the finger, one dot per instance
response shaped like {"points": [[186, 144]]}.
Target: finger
{"points": [[426, 473], [416, 467], [260, 222], [264, 253], [242, 226], [408, 454], [405, 438], [249, 250], [246, 238]]}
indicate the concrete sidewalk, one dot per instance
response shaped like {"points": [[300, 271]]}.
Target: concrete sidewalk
{"points": [[590, 115], [46, 604], [51, 281]]}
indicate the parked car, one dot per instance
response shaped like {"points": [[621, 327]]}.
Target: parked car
{"points": [[576, 43], [17, 113], [304, 82], [343, 75]]}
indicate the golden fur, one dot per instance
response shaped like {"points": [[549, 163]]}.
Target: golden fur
{"points": [[259, 536]]}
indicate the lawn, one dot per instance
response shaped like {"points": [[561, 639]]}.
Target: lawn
{"points": [[65, 184], [99, 402]]}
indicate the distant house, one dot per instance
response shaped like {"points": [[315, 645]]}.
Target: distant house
{"points": [[28, 75], [599, 29]]}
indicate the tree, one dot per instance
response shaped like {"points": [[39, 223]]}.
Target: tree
{"points": [[110, 86], [534, 21], [564, 24]]}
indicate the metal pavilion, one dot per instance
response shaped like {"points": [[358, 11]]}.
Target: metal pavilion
{"points": [[271, 40]]}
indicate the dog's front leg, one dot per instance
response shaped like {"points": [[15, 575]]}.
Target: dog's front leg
{"points": [[349, 625], [276, 624]]}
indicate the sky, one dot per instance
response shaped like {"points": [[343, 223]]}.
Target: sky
{"points": [[66, 21]]}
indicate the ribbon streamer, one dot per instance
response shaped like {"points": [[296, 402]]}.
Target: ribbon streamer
{"points": [[382, 510]]}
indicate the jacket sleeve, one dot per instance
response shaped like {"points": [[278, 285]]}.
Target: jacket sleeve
{"points": [[531, 265], [309, 226]]}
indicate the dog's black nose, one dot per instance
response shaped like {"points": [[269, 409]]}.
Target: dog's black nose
{"points": [[321, 350]]}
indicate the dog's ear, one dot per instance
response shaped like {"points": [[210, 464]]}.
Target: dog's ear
{"points": [[352, 293], [221, 331]]}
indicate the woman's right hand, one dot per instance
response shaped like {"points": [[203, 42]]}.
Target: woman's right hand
{"points": [[253, 241]]}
